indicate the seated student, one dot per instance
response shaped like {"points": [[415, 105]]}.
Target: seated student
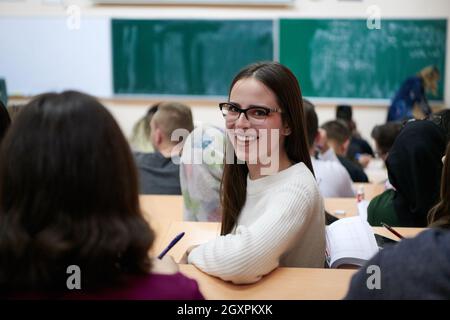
{"points": [[140, 136], [415, 268], [68, 197], [384, 136], [159, 171], [201, 171], [5, 120], [332, 178], [442, 120], [338, 138], [272, 211], [414, 168], [359, 149], [439, 215]]}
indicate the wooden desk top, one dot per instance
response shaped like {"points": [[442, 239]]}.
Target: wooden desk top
{"points": [[162, 207], [168, 207], [405, 232], [195, 233], [348, 205], [371, 190], [280, 284]]}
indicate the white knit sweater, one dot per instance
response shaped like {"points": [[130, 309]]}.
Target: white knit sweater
{"points": [[281, 224]]}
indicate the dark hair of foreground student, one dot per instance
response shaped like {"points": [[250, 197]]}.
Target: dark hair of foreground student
{"points": [[68, 196]]}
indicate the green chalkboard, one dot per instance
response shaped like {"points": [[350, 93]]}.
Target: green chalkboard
{"points": [[344, 58], [185, 57]]}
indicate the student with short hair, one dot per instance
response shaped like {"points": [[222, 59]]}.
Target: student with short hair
{"points": [[415, 268], [159, 171], [332, 178], [359, 149], [338, 138], [140, 136], [272, 211], [384, 136], [414, 169], [68, 200]]}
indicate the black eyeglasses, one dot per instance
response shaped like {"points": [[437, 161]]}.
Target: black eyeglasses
{"points": [[255, 114]]}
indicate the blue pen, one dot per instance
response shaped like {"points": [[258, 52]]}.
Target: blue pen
{"points": [[171, 244]]}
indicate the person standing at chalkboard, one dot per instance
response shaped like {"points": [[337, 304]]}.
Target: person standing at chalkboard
{"points": [[412, 93], [272, 211]]}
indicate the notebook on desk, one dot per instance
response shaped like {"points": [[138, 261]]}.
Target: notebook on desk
{"points": [[350, 241]]}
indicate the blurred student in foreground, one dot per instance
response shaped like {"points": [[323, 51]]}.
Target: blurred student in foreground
{"points": [[68, 202], [415, 268]]}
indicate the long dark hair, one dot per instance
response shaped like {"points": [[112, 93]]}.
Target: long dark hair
{"points": [[285, 86], [68, 196], [439, 215]]}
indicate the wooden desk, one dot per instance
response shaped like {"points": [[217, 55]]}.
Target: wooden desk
{"points": [[348, 205], [405, 232], [371, 190], [280, 284], [195, 233], [163, 207]]}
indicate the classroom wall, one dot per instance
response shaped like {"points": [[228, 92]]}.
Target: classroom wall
{"points": [[128, 111]]}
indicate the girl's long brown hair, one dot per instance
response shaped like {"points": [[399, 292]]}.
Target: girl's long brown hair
{"points": [[68, 196], [439, 215], [285, 86]]}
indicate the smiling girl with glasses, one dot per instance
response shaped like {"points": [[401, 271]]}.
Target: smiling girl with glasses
{"points": [[271, 215]]}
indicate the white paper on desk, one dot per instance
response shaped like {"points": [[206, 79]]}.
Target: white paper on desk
{"points": [[362, 209], [350, 241]]}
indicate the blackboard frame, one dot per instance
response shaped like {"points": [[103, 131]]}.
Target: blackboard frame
{"points": [[201, 2]]}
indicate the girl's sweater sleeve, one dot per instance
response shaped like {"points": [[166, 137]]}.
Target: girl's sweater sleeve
{"points": [[252, 252]]}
